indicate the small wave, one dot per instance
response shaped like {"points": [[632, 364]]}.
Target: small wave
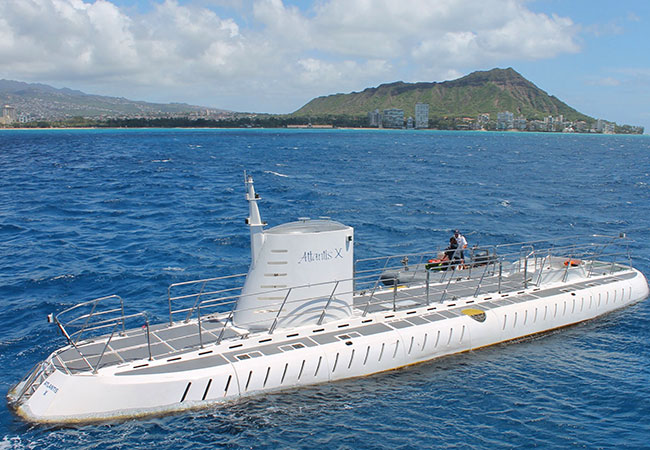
{"points": [[11, 228], [505, 203], [174, 269], [161, 160], [277, 174], [67, 275]]}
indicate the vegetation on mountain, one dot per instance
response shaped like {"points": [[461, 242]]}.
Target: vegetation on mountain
{"points": [[480, 92], [453, 105], [43, 102]]}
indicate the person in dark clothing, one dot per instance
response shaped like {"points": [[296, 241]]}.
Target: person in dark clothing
{"points": [[452, 253], [461, 242]]}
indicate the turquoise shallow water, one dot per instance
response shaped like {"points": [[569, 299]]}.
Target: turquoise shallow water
{"points": [[86, 213]]}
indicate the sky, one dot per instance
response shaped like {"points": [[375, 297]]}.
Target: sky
{"points": [[275, 55]]}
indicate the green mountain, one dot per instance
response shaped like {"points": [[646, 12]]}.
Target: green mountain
{"points": [[480, 92], [40, 101]]}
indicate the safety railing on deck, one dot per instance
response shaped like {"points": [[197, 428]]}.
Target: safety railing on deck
{"points": [[30, 382], [378, 282], [202, 291], [386, 274], [94, 318]]}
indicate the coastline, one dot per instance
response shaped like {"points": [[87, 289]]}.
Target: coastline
{"points": [[317, 128]]}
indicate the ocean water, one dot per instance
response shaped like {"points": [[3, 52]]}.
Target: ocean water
{"points": [[87, 213]]}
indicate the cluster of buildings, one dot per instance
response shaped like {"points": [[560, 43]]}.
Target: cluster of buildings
{"points": [[394, 118], [37, 110], [505, 121]]}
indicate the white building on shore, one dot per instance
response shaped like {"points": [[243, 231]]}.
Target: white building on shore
{"points": [[421, 115], [8, 115]]}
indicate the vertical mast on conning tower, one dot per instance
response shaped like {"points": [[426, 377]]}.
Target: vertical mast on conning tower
{"points": [[254, 220]]}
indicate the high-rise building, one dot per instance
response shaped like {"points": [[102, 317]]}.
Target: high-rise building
{"points": [[374, 118], [8, 114], [505, 120], [520, 123], [393, 118], [421, 115]]}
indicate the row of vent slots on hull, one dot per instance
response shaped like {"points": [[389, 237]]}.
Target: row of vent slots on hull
{"points": [[412, 340]]}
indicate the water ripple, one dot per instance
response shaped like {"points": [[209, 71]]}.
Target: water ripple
{"points": [[90, 213]]}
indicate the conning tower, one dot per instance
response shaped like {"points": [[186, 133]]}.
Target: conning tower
{"points": [[315, 254]]}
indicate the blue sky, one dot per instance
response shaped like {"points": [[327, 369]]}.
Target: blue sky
{"points": [[275, 55]]}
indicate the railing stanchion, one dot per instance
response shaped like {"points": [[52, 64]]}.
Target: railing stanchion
{"points": [[146, 323], [198, 321], [123, 321], [444, 293], [427, 288], [196, 302], [223, 328], [372, 294], [277, 317], [478, 286], [541, 272], [104, 350], [394, 293], [526, 272], [169, 299], [500, 273], [329, 300]]}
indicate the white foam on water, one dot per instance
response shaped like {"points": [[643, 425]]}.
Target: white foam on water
{"points": [[277, 174]]}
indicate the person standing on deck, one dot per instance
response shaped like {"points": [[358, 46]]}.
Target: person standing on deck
{"points": [[462, 244]]}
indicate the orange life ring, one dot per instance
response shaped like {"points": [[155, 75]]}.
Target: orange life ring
{"points": [[572, 262]]}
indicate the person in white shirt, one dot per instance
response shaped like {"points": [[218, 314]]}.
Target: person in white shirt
{"points": [[462, 244]]}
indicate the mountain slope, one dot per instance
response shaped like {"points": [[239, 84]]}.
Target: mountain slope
{"points": [[479, 92], [46, 102]]}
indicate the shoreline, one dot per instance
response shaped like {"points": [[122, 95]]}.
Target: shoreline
{"points": [[316, 128]]}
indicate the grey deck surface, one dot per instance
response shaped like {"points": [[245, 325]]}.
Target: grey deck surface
{"points": [[386, 298], [168, 342]]}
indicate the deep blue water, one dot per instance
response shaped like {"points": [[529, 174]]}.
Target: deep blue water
{"points": [[89, 213]]}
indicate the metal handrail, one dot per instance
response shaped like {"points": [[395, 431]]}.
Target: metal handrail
{"points": [[329, 300], [492, 263], [27, 382], [89, 325], [277, 317], [198, 295], [207, 297], [478, 286], [88, 316]]}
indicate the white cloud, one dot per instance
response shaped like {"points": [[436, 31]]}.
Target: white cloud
{"points": [[269, 55], [311, 71], [606, 81]]}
